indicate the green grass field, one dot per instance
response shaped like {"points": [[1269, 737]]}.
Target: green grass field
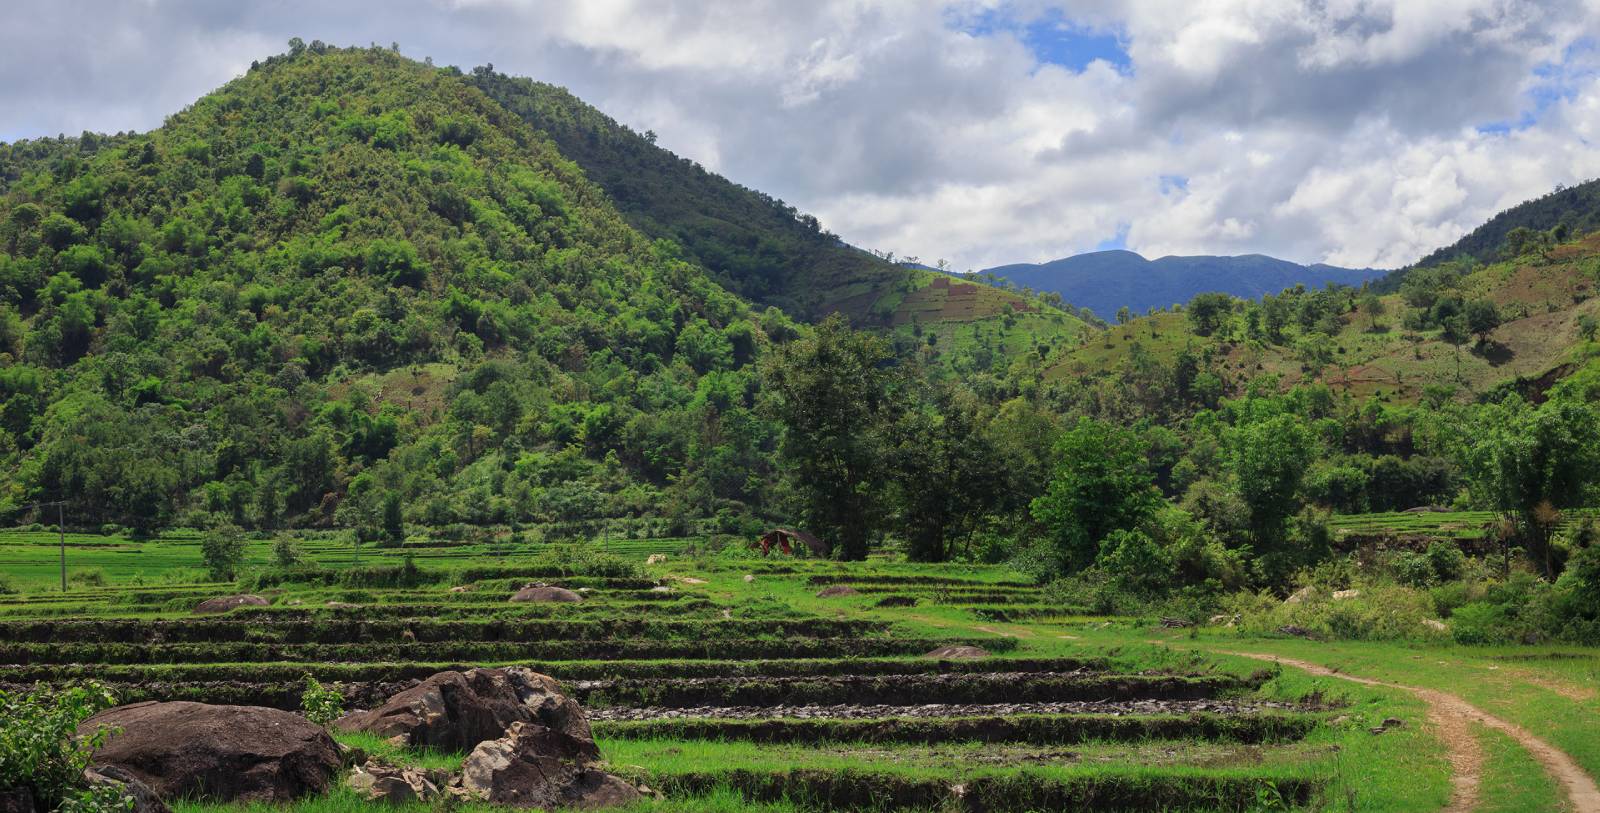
{"points": [[1284, 739]]}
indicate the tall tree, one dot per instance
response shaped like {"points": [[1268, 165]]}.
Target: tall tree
{"points": [[1100, 485], [831, 391]]}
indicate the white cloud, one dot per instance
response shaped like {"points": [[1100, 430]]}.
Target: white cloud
{"points": [[1319, 130]]}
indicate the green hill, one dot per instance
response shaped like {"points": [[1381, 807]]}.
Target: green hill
{"points": [[1414, 344], [1566, 212], [349, 284], [757, 246]]}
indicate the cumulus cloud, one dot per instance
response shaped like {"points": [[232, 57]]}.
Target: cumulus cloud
{"points": [[1360, 132]]}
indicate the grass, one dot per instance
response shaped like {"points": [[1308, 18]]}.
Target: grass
{"points": [[706, 630]]}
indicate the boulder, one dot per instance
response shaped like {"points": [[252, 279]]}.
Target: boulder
{"points": [[222, 604], [455, 711], [655, 558], [958, 653], [834, 590], [1435, 625], [16, 800], [144, 798], [1344, 595], [1300, 596], [377, 782], [535, 766], [544, 593], [216, 753]]}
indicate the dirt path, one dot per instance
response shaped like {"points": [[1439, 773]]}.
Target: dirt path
{"points": [[1454, 718]]}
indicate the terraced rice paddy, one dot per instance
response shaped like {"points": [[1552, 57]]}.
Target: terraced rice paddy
{"points": [[708, 676]]}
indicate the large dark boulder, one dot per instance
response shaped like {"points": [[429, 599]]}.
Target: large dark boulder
{"points": [[222, 604], [457, 710], [535, 766], [184, 750]]}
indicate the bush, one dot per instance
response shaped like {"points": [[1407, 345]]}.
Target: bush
{"points": [[320, 704], [222, 549], [1481, 623], [40, 749], [1376, 614], [6, 587], [92, 577], [286, 552]]}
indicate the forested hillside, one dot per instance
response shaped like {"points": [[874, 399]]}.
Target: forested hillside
{"points": [[1565, 213], [771, 254], [347, 287]]}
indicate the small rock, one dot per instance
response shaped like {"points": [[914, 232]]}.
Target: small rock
{"points": [[463, 588], [691, 580], [661, 588], [958, 653], [223, 604], [145, 800], [1435, 625], [1342, 595], [385, 783], [1175, 623], [1341, 720], [835, 590], [1300, 596], [748, 578], [655, 558], [1393, 722], [1378, 730]]}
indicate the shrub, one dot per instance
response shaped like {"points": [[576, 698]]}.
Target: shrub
{"points": [[222, 549], [1481, 623], [93, 577], [40, 749], [1377, 614], [320, 704], [1447, 560], [286, 552], [6, 587]]}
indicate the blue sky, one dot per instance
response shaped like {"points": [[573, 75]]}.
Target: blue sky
{"points": [[1054, 38]]}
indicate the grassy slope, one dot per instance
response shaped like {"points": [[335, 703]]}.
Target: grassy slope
{"points": [[1541, 300]]}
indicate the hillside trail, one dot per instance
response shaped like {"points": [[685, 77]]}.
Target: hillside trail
{"points": [[1454, 718]]}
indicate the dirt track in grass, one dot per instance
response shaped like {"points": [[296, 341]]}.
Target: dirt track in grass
{"points": [[1453, 717]]}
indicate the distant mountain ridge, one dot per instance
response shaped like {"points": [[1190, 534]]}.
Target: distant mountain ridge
{"points": [[1104, 281]]}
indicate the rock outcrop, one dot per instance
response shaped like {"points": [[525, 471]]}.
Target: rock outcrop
{"points": [[458, 710], [545, 593], [535, 766], [215, 753]]}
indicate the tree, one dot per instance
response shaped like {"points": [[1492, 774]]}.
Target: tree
{"points": [[1374, 307], [1268, 458], [222, 550], [1101, 484], [1124, 315], [394, 525], [1209, 312], [946, 473], [831, 392], [1482, 318], [1530, 463], [1588, 326]]}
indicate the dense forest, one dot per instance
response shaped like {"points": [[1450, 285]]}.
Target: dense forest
{"points": [[352, 290]]}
